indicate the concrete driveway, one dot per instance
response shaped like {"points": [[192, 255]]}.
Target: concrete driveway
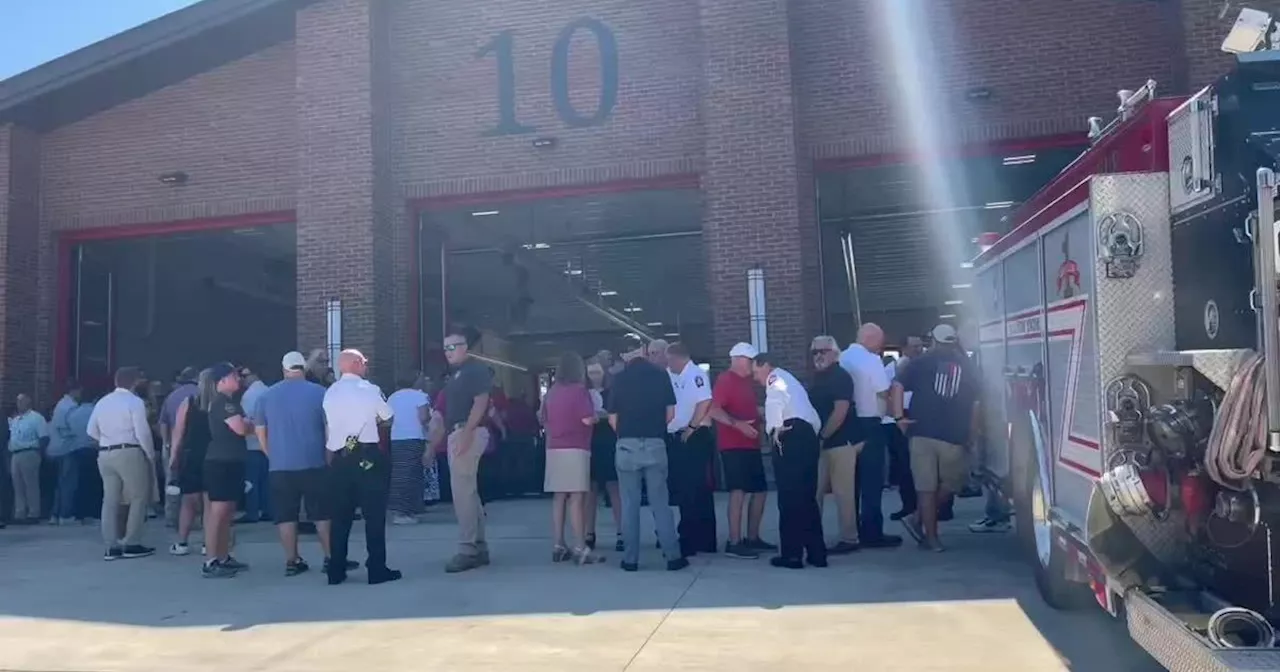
{"points": [[973, 608]]}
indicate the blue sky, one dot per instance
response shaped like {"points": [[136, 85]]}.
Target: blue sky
{"points": [[35, 31]]}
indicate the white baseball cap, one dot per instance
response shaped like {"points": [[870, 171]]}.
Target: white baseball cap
{"points": [[944, 333], [744, 350], [293, 360]]}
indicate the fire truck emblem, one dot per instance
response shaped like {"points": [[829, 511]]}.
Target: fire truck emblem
{"points": [[1068, 272], [1120, 244], [1211, 319]]}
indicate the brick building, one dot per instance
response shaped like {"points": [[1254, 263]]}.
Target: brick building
{"points": [[709, 139]]}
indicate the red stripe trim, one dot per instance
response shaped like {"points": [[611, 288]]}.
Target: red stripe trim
{"points": [[449, 201], [1076, 466], [67, 240], [1083, 442], [998, 147]]}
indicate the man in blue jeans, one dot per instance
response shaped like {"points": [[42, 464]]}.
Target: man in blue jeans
{"points": [[641, 404], [870, 390]]}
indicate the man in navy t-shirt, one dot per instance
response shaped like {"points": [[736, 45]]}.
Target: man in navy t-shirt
{"points": [[944, 411]]}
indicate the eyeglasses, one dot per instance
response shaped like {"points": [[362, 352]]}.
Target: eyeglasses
{"points": [[819, 352], [452, 347]]}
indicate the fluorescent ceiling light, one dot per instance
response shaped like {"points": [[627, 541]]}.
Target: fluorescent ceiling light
{"points": [[1000, 205], [671, 335], [966, 264], [1019, 160], [573, 271], [653, 324], [536, 246], [484, 213], [955, 302], [608, 292], [947, 316], [965, 286], [633, 309]]}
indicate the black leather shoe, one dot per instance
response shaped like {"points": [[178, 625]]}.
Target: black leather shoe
{"points": [[384, 576], [630, 567], [677, 565], [818, 561], [786, 563]]}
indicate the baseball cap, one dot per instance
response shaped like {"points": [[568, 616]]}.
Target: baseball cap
{"points": [[222, 370], [293, 361], [944, 333], [744, 350]]}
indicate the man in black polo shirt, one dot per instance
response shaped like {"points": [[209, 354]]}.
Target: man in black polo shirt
{"points": [[224, 470], [641, 404], [832, 396], [466, 399]]}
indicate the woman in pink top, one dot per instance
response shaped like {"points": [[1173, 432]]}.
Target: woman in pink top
{"points": [[568, 415]]}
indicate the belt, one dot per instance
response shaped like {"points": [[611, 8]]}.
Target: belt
{"points": [[118, 446], [15, 451]]}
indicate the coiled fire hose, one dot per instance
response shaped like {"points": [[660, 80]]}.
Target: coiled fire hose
{"points": [[1238, 441]]}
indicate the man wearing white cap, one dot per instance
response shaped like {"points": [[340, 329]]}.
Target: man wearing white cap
{"points": [[737, 417], [944, 418]]}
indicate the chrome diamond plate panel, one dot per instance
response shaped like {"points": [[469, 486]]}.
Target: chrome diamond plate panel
{"points": [[1191, 170], [1136, 314], [1216, 365], [1179, 649]]}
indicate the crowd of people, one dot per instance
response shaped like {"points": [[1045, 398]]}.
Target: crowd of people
{"points": [[319, 450]]}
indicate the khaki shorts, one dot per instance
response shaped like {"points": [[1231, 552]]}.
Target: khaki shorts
{"points": [[937, 464]]}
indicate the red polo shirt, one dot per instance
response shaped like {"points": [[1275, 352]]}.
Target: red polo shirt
{"points": [[736, 395]]}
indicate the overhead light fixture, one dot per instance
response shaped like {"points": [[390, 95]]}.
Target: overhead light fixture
{"points": [[966, 264], [964, 286], [653, 324], [608, 292], [536, 246], [947, 316], [955, 302], [1019, 160], [484, 213], [175, 179], [1000, 205], [671, 335], [632, 309]]}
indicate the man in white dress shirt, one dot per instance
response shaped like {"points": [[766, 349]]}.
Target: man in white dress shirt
{"points": [[791, 422], [690, 446], [125, 459], [353, 410], [870, 392]]}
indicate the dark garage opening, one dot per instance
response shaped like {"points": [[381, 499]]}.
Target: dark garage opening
{"points": [[884, 257], [167, 301], [576, 273]]}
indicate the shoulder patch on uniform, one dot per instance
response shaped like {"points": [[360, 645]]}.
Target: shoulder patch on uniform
{"points": [[230, 408], [699, 381], [773, 378]]}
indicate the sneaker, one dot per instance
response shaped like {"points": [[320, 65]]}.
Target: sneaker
{"points": [[629, 566], [914, 528], [462, 563], [296, 567], [352, 565], [759, 545], [740, 550], [136, 551], [559, 554], [584, 556], [179, 548], [844, 548], [113, 554], [214, 569], [989, 526], [401, 519], [235, 564], [619, 545]]}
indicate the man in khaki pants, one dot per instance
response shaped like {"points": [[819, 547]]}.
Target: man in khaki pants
{"points": [[466, 400], [28, 436], [125, 459], [832, 396]]}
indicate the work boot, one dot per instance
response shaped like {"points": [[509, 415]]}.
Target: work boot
{"points": [[462, 563]]}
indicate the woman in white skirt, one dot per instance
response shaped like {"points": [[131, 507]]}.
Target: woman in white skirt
{"points": [[568, 416]]}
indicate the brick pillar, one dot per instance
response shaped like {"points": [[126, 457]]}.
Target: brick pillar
{"points": [[1204, 27], [19, 254], [752, 180], [344, 197]]}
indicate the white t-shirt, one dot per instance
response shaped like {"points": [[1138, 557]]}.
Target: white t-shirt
{"points": [[869, 380], [405, 404]]}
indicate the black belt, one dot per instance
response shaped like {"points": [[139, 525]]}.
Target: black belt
{"points": [[118, 446]]}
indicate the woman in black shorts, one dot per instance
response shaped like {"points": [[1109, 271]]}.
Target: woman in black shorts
{"points": [[604, 472], [186, 457]]}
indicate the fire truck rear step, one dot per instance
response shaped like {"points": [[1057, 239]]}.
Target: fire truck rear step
{"points": [[1174, 639]]}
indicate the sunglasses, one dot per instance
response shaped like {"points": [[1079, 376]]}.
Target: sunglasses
{"points": [[452, 347]]}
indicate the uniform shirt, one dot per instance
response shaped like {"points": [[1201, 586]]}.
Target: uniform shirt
{"points": [[691, 388], [352, 407], [786, 399], [249, 404], [869, 380], [472, 379], [736, 396], [830, 385], [120, 419], [26, 431], [406, 425], [944, 386], [62, 440], [292, 412], [224, 444], [639, 397]]}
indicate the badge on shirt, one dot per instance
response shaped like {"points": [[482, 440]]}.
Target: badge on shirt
{"points": [[699, 381], [773, 378]]}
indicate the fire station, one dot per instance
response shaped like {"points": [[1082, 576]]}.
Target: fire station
{"points": [[245, 177]]}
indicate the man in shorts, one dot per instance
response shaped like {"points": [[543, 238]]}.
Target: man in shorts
{"points": [[944, 419], [224, 471], [737, 417]]}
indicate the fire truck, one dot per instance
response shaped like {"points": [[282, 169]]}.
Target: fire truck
{"points": [[1129, 340]]}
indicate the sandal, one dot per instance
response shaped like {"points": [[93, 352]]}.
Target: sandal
{"points": [[584, 556], [560, 554]]}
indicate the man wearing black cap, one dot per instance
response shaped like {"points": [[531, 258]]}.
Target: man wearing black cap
{"points": [[184, 388], [224, 471], [944, 418]]}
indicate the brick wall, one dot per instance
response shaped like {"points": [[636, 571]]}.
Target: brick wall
{"points": [[1206, 24], [19, 233]]}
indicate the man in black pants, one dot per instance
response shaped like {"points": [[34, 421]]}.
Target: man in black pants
{"points": [[791, 422], [690, 453], [361, 472]]}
